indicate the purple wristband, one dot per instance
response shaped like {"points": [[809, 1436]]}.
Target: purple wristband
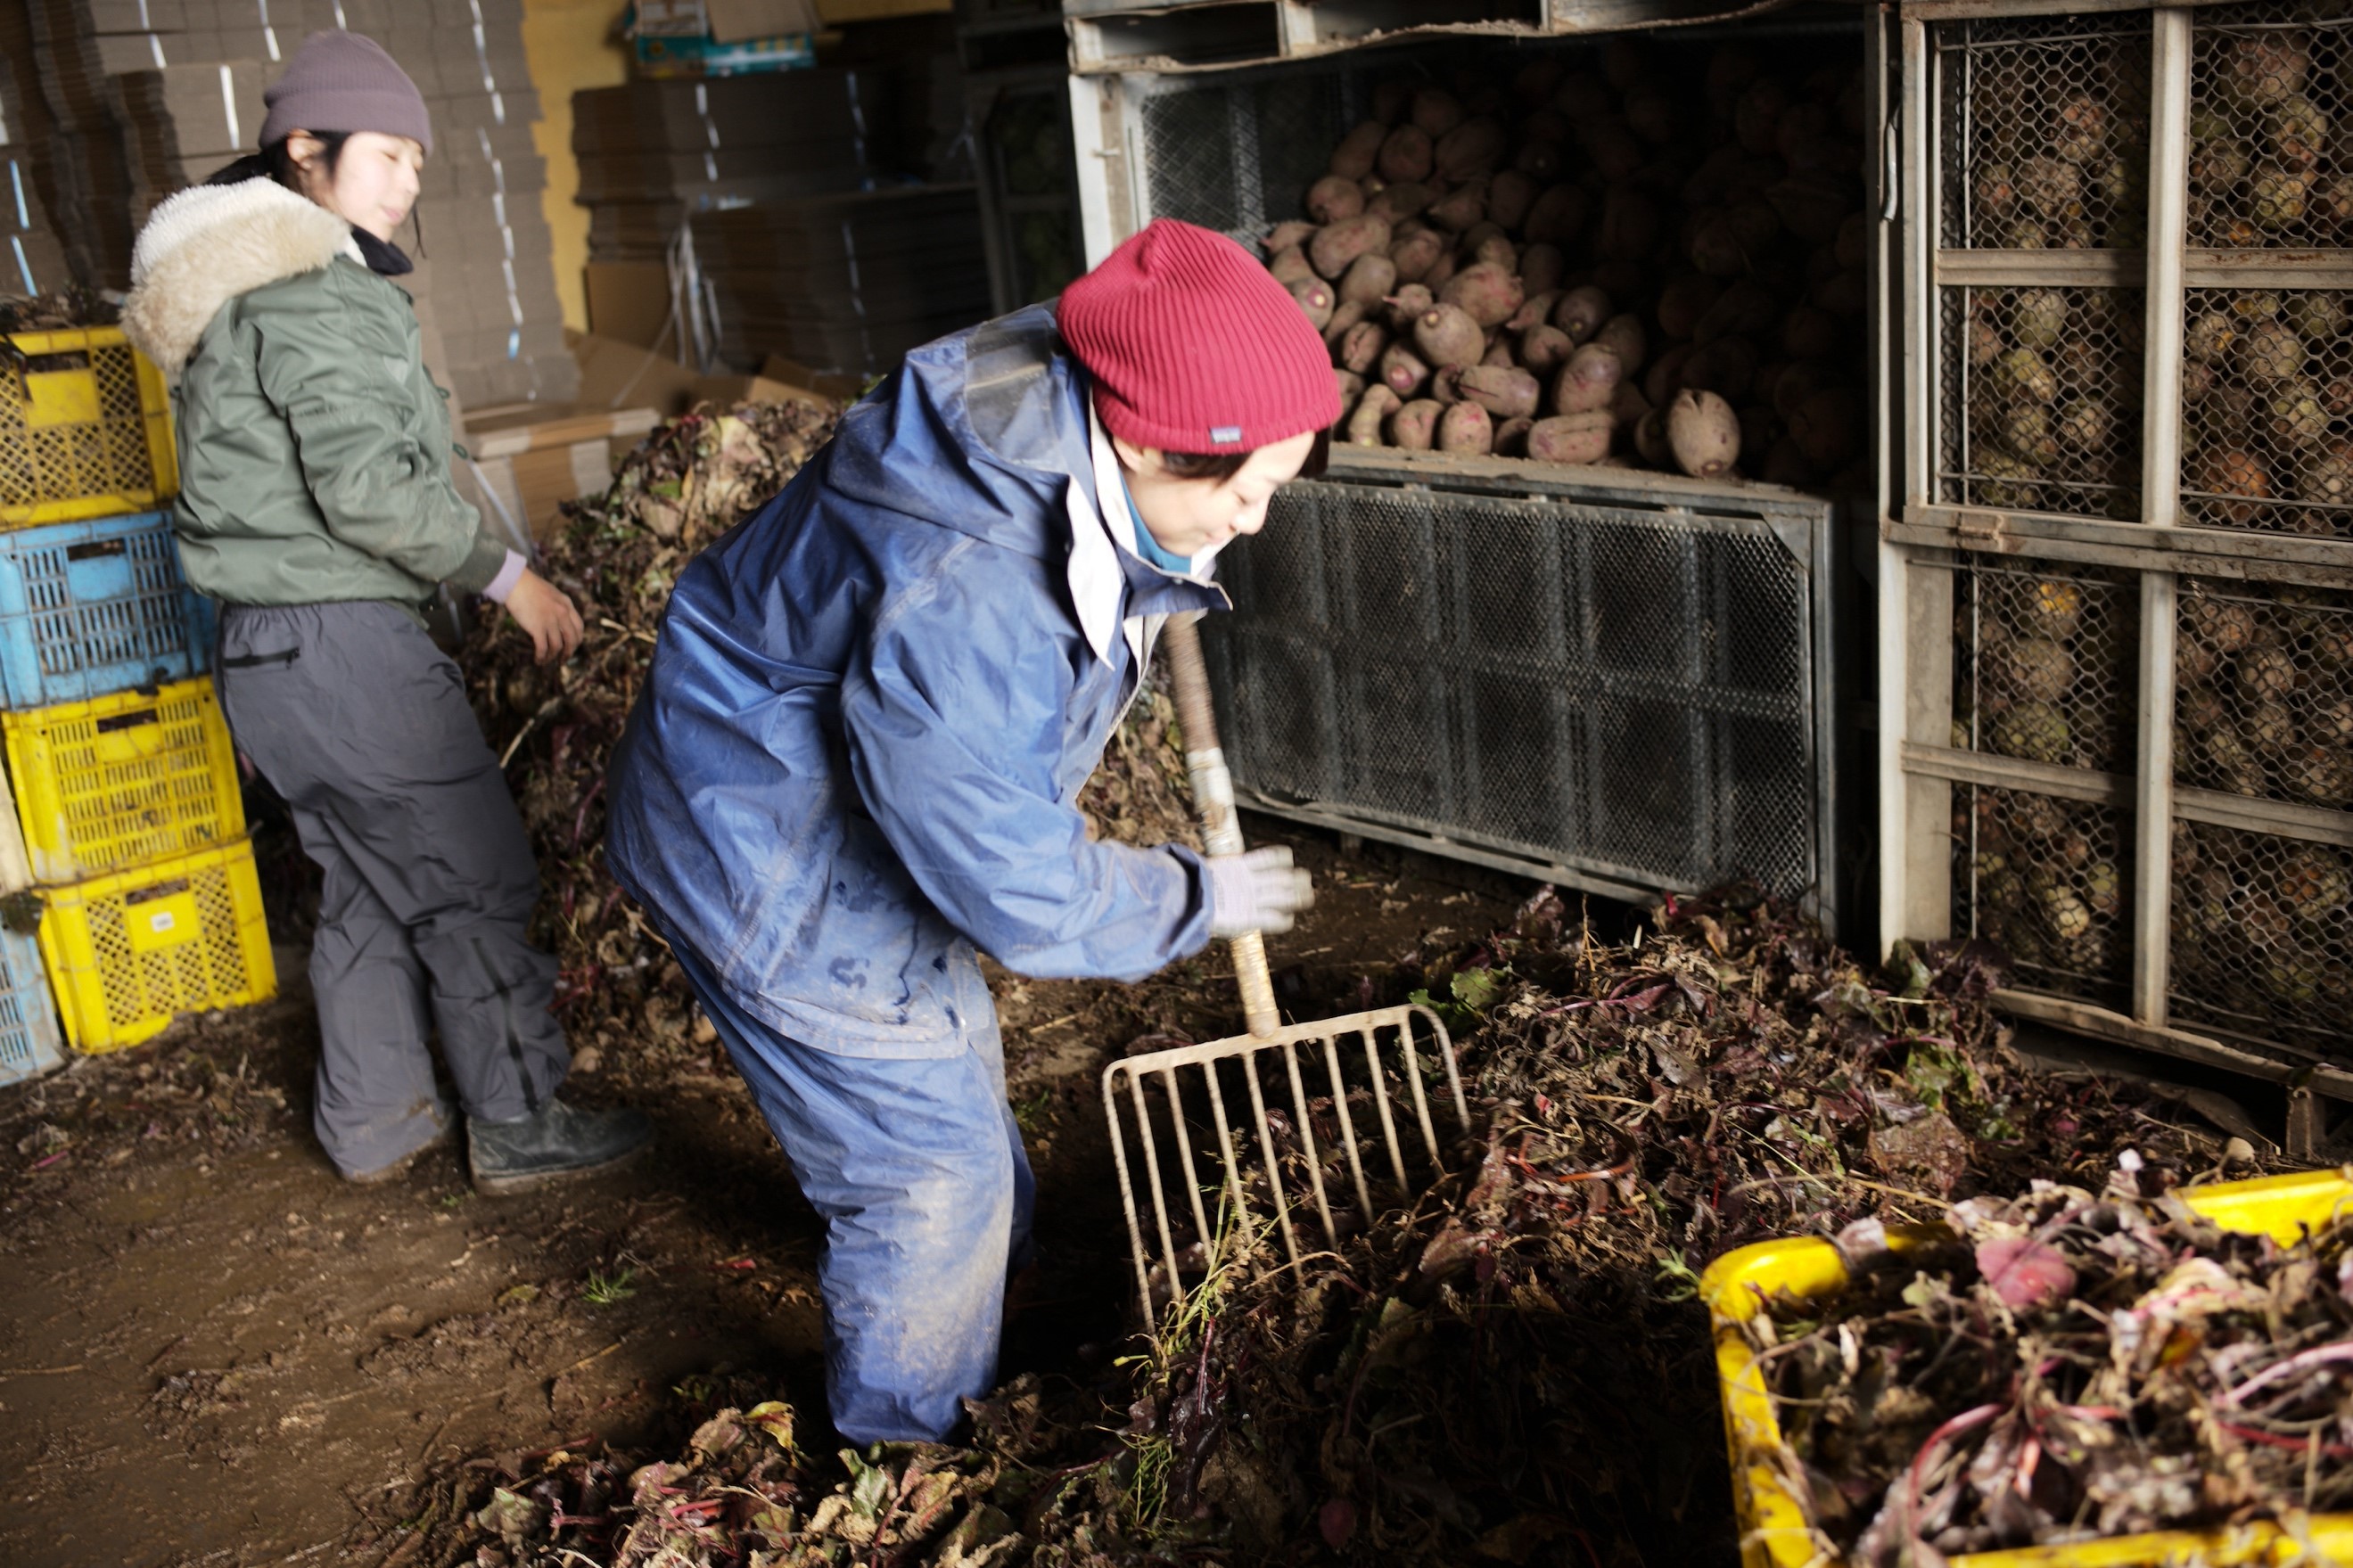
{"points": [[509, 575]]}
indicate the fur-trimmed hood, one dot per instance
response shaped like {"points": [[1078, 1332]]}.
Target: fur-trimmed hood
{"points": [[210, 244]]}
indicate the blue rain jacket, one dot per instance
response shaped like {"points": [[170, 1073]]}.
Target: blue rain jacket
{"points": [[873, 702]]}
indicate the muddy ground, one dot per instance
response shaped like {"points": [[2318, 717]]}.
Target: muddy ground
{"points": [[215, 1351]]}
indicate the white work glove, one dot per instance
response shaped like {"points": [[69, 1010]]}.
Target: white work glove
{"points": [[1257, 891]]}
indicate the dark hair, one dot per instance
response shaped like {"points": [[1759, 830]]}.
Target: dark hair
{"points": [[275, 162], [1220, 466]]}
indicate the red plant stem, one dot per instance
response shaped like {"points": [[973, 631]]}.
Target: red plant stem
{"points": [[1967, 1421], [2275, 1440], [2318, 1356]]}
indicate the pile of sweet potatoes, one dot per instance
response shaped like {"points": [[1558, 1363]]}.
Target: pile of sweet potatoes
{"points": [[1634, 257]]}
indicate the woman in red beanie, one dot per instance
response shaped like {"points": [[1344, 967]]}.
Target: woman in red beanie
{"points": [[854, 763]]}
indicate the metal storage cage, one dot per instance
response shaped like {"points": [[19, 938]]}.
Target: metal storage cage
{"points": [[2116, 635], [1636, 692]]}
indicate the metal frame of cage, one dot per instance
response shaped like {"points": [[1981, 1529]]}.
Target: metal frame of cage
{"points": [[1209, 146], [2188, 904]]}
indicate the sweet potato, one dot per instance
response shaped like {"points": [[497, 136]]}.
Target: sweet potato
{"points": [[1815, 205], [1853, 245], [1345, 315], [1588, 381], [1460, 208], [1545, 349], [1745, 307], [1466, 429], [1467, 245], [1446, 334], [1628, 407], [1584, 95], [1360, 350], [1756, 115], [1702, 433], [1405, 155], [1537, 79], [1415, 254], [1683, 301], [1540, 158], [1369, 279], [1336, 244], [1759, 428], [1726, 367], [1486, 292], [1512, 437], [1809, 332], [1392, 100], [1665, 376], [1446, 385], [1656, 111], [1314, 297], [1613, 149], [1474, 147], [1710, 244], [1351, 387], [1570, 438], [1630, 223], [1541, 268], [1828, 426], [1504, 392], [1650, 440], [1499, 354], [1581, 313], [1332, 198], [1436, 112], [1785, 465], [1622, 335], [1796, 384], [1558, 215], [1290, 265], [1754, 223], [1402, 370], [1353, 158], [1405, 199], [1294, 235], [1415, 425], [1497, 250], [1844, 294], [1534, 312], [1447, 265], [1405, 307], [1510, 196], [1364, 424]]}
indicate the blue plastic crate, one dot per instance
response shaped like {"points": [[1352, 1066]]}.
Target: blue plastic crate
{"points": [[30, 1041], [91, 607]]}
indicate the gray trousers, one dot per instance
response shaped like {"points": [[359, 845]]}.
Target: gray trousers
{"points": [[362, 726]]}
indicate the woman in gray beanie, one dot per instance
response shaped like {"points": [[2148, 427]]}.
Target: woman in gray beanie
{"points": [[316, 505]]}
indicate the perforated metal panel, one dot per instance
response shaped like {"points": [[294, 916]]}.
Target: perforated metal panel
{"points": [[1622, 695], [1234, 153]]}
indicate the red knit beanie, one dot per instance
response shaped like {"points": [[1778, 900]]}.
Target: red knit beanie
{"points": [[1194, 346]]}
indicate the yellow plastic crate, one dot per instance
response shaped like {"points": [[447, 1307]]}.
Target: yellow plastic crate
{"points": [[1773, 1530], [85, 428], [117, 781], [128, 953]]}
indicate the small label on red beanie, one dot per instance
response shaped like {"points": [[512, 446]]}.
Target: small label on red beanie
{"points": [[1225, 436]]}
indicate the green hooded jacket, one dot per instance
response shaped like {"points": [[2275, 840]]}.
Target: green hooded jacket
{"points": [[314, 448]]}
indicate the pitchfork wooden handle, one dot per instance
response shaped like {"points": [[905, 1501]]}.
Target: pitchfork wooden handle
{"points": [[1213, 802]]}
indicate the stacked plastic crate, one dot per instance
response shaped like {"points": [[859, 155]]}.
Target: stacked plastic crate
{"points": [[119, 759]]}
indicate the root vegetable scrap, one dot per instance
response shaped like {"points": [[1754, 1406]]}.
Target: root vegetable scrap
{"points": [[1626, 206]]}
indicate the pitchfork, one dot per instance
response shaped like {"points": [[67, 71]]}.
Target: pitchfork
{"points": [[1384, 1034]]}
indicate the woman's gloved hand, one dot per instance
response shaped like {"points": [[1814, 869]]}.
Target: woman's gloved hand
{"points": [[545, 612], [1257, 891]]}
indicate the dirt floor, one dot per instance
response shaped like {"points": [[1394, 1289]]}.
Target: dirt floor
{"points": [[212, 1351]]}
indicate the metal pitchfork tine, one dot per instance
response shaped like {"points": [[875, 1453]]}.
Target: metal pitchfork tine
{"points": [[1213, 801]]}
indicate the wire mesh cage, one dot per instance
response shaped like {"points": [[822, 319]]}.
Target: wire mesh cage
{"points": [[1621, 697], [2045, 132], [2267, 394], [1237, 153], [2041, 390], [2044, 665], [2262, 936], [2045, 876], [2263, 703], [2269, 84]]}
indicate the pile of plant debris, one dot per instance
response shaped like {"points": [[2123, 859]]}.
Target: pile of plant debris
{"points": [[1517, 1370], [2071, 1366], [617, 555], [67, 308]]}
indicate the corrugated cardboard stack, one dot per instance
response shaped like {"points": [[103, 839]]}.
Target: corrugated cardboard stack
{"points": [[846, 283], [32, 258], [146, 97]]}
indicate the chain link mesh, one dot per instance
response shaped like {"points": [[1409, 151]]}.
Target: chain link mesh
{"points": [[2042, 393], [2263, 691], [2046, 665], [2267, 410], [1610, 689], [2049, 879], [2045, 132], [2262, 936], [2270, 86]]}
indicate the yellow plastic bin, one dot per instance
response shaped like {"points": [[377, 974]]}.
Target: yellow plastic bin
{"points": [[129, 952], [85, 428], [1773, 1529], [117, 781]]}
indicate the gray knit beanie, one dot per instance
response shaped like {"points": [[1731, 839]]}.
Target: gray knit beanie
{"points": [[344, 81]]}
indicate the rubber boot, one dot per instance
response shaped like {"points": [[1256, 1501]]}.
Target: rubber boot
{"points": [[561, 1140]]}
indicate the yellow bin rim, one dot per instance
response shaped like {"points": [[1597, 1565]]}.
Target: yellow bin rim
{"points": [[1774, 1532]]}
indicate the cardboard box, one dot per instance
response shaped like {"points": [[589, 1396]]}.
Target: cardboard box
{"points": [[840, 13], [724, 21], [534, 457], [618, 374], [629, 302]]}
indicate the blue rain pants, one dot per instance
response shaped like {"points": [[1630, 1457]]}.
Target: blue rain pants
{"points": [[917, 1166]]}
